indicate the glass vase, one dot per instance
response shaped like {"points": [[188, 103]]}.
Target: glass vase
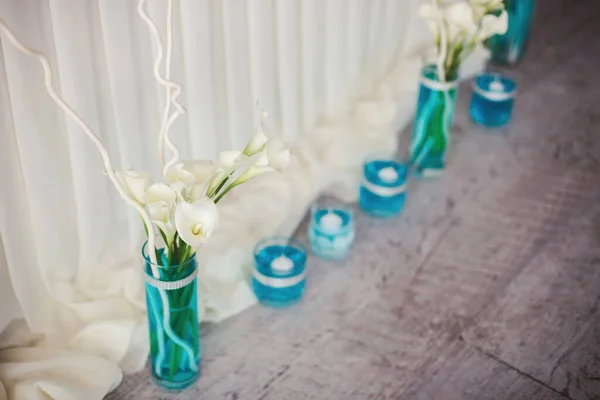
{"points": [[431, 133], [171, 298], [509, 49]]}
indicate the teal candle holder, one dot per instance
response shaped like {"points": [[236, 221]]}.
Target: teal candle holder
{"points": [[331, 229], [279, 275], [493, 99], [383, 187]]}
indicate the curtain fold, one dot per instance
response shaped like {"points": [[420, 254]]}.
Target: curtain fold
{"points": [[338, 78]]}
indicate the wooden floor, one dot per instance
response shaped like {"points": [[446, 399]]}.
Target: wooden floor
{"points": [[487, 287]]}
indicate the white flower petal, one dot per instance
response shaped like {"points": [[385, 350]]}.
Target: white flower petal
{"points": [[167, 229], [228, 159], [198, 190], [252, 172], [216, 181], [177, 173], [160, 192], [159, 210], [460, 19], [179, 188], [196, 222], [256, 144], [493, 25], [135, 183], [202, 170]]}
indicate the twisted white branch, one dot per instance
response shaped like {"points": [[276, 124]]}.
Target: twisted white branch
{"points": [[164, 137], [90, 133], [441, 60], [172, 96]]}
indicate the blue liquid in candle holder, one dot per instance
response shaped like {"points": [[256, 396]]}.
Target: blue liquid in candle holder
{"points": [[381, 197], [332, 244], [493, 100], [279, 288]]}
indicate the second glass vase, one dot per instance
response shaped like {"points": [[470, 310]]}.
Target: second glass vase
{"points": [[431, 133], [509, 49], [171, 297]]}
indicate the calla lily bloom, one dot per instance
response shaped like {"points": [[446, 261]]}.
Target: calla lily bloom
{"points": [[195, 222], [136, 183]]}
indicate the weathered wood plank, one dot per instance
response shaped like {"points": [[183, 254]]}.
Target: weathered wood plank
{"points": [[546, 322], [466, 374]]}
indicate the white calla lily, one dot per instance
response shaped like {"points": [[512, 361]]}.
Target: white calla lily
{"points": [[275, 157], [460, 20], [202, 170], [216, 181], [177, 173], [167, 229], [256, 144], [195, 222], [433, 16], [159, 192], [136, 183], [483, 7], [197, 191], [159, 210], [493, 25], [228, 159], [252, 172]]}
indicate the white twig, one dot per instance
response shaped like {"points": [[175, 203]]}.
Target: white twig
{"points": [[169, 52], [164, 137], [441, 60], [172, 97], [90, 133]]}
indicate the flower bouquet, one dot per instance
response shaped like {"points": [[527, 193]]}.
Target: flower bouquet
{"points": [[458, 28], [179, 214], [182, 208]]}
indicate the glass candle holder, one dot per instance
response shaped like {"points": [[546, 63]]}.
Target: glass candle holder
{"points": [[436, 104], [510, 48], [279, 275], [493, 99], [383, 187], [331, 229]]}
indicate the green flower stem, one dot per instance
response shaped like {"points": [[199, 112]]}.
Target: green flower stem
{"points": [[220, 196], [211, 195]]}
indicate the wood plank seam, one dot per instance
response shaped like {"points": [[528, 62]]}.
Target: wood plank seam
{"points": [[513, 368]]}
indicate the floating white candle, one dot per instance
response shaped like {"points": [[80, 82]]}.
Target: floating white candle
{"points": [[330, 222], [496, 86], [282, 264], [388, 174]]}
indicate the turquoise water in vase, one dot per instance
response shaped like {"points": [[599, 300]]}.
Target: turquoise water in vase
{"points": [[493, 100], [433, 121], [331, 242], [510, 48], [279, 273], [173, 325], [381, 194]]}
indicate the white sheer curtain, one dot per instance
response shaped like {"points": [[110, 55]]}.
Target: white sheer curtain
{"points": [[337, 76]]}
